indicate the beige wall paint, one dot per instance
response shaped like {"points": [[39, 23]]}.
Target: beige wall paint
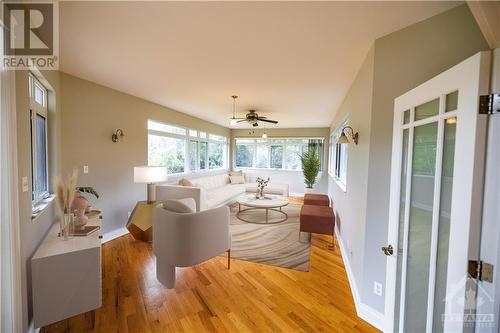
{"points": [[91, 113], [33, 231], [349, 206], [293, 178]]}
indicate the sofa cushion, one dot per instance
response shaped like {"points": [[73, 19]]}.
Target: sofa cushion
{"points": [[221, 195], [184, 182], [211, 182], [237, 179], [187, 205]]}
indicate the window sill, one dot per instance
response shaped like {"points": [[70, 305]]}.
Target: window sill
{"points": [[41, 206], [198, 172], [270, 169], [341, 185]]}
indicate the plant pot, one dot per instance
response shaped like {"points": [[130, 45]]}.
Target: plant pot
{"points": [[80, 203], [308, 190], [80, 220]]}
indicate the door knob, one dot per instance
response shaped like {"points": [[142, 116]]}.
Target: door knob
{"points": [[388, 250]]}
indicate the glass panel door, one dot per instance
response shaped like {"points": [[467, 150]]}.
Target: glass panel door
{"points": [[435, 206], [427, 160], [420, 226]]}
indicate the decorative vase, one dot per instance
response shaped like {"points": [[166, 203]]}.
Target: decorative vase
{"points": [[79, 203], [66, 224], [308, 190], [261, 184], [80, 219]]}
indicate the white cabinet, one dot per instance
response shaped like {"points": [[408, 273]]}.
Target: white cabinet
{"points": [[66, 276]]}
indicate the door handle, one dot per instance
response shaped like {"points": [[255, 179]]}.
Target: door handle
{"points": [[388, 250]]}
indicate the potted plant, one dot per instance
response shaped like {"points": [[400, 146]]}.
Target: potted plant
{"points": [[80, 202], [310, 168]]}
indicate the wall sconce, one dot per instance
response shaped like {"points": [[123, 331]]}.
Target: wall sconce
{"points": [[117, 135], [343, 137]]}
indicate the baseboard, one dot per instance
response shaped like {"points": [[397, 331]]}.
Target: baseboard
{"points": [[32, 329], [106, 237], [365, 312]]}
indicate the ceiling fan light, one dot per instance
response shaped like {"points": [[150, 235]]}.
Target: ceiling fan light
{"points": [[264, 136]]}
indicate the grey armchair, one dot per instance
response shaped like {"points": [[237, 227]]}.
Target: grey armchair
{"points": [[183, 237]]}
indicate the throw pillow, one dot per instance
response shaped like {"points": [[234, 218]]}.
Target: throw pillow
{"points": [[237, 179], [180, 206], [185, 182], [236, 173]]}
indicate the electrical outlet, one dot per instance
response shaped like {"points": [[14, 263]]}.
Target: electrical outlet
{"points": [[377, 288], [85, 169]]}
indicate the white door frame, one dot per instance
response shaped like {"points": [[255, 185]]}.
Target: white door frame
{"points": [[466, 203], [490, 231]]}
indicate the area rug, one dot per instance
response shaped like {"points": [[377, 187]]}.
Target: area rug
{"points": [[270, 244]]}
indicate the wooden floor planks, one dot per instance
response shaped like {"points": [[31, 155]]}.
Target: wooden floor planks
{"points": [[210, 298]]}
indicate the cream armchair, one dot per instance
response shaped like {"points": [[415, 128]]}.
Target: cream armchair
{"points": [[183, 237]]}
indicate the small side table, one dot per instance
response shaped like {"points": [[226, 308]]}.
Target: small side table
{"points": [[140, 222]]}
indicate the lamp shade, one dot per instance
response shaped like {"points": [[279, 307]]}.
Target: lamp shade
{"points": [[150, 174], [342, 139]]}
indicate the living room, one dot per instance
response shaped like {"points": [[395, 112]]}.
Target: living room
{"points": [[238, 166]]}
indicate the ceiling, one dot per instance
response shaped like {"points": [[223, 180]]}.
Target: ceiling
{"points": [[291, 61]]}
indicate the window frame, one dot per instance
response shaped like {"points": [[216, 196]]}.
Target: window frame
{"points": [[37, 109], [201, 136], [339, 157], [272, 142]]}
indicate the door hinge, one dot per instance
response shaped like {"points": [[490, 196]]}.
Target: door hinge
{"points": [[481, 270], [489, 104]]}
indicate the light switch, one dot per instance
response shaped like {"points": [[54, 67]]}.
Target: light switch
{"points": [[24, 181], [85, 169]]}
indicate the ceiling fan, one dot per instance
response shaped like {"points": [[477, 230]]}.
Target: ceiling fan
{"points": [[251, 117]]}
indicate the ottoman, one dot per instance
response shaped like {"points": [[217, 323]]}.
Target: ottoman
{"points": [[316, 199], [318, 220]]}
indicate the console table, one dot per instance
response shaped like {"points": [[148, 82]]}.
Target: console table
{"points": [[66, 275]]}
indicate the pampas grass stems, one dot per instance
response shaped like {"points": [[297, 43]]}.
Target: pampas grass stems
{"points": [[65, 194]]}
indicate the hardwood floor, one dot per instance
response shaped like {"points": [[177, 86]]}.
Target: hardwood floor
{"points": [[210, 298]]}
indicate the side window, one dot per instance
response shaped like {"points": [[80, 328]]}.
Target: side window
{"points": [[38, 131]]}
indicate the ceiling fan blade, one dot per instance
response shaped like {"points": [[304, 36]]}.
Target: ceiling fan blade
{"points": [[268, 120], [242, 120]]}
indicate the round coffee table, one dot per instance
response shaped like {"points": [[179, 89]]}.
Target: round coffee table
{"points": [[269, 202]]}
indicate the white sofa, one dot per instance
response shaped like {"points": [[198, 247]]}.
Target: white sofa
{"points": [[215, 191]]}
